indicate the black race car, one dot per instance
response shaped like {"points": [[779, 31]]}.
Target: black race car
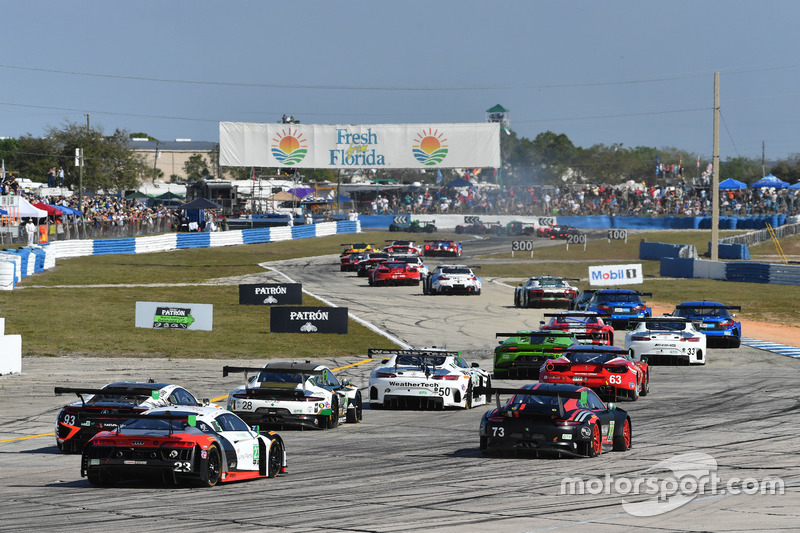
{"points": [[554, 419], [97, 408]]}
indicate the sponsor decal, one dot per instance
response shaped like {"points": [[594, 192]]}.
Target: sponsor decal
{"points": [[203, 454], [356, 149], [289, 147], [429, 147], [308, 327], [308, 315], [135, 462]]}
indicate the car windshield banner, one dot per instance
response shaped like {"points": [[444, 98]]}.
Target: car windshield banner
{"points": [[271, 294], [373, 146], [167, 315], [615, 275], [308, 320]]}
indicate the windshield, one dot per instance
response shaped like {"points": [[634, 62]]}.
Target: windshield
{"points": [[280, 377], [577, 321], [131, 398], [540, 338], [394, 265], [420, 360], [702, 312], [464, 271], [666, 325], [534, 402], [624, 297], [158, 424], [588, 357]]}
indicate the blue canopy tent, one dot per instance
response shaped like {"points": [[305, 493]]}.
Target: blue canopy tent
{"points": [[65, 210], [459, 182], [195, 210], [731, 184], [795, 187], [770, 181]]}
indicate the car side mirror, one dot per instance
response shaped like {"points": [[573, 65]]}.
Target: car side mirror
{"points": [[611, 406], [345, 382], [475, 365], [384, 361], [733, 315], [205, 402]]}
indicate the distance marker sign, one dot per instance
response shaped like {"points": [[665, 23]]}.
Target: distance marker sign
{"points": [[167, 315]]}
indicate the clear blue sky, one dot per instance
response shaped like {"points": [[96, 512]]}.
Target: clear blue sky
{"points": [[633, 72]]}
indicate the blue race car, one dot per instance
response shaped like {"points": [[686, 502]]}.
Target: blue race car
{"points": [[715, 320], [620, 305]]}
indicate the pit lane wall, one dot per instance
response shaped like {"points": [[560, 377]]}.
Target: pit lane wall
{"points": [[16, 264], [449, 222]]}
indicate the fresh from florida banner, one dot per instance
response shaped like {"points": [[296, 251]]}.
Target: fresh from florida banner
{"points": [[467, 145]]}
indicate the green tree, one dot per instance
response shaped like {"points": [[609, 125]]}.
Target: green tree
{"points": [[196, 167]]}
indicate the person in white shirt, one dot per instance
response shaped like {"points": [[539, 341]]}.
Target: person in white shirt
{"points": [[30, 231]]}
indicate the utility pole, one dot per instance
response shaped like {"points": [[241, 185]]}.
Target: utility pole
{"points": [[87, 123], [79, 164], [763, 160], [715, 177]]}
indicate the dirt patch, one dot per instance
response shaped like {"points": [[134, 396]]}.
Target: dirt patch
{"points": [[764, 331]]}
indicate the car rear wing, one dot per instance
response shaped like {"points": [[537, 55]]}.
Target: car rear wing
{"points": [[707, 306], [663, 318], [578, 314], [375, 353], [143, 390], [497, 391], [554, 333]]}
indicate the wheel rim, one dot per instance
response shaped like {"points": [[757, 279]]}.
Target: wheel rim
{"points": [[597, 444], [275, 459], [213, 466], [359, 408], [626, 433]]}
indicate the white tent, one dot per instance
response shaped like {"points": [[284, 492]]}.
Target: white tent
{"points": [[26, 210]]}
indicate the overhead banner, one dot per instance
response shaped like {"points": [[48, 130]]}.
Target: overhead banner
{"points": [[308, 320], [271, 294], [616, 274], [465, 145]]}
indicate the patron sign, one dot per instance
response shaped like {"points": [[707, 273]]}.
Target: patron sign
{"points": [[167, 315], [271, 294], [308, 320]]}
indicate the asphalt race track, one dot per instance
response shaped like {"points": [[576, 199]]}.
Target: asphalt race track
{"points": [[421, 470]]}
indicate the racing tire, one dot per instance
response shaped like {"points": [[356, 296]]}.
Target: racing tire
{"points": [[516, 299], [623, 442], [595, 446], [646, 385], [275, 458], [430, 229], [333, 420], [488, 394], [392, 227], [211, 474], [355, 414], [478, 292], [468, 397], [735, 342], [99, 477]]}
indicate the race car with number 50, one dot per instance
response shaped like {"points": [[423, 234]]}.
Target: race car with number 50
{"points": [[284, 394], [425, 379], [202, 445]]}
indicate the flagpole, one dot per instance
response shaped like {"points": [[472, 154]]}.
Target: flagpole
{"points": [[715, 177]]}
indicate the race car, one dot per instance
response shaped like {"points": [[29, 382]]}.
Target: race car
{"points": [[414, 226], [522, 354], [357, 248], [588, 327], [369, 261], [452, 279], [402, 247], [666, 340], [415, 261], [715, 320], [582, 298], [284, 394], [441, 249], [480, 228], [425, 379], [393, 272], [82, 419], [349, 262], [554, 419], [550, 291], [544, 231], [621, 305], [608, 370], [201, 445], [562, 232]]}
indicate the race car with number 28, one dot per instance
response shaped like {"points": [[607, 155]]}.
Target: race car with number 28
{"points": [[285, 394], [425, 379], [81, 420], [546, 418], [200, 445]]}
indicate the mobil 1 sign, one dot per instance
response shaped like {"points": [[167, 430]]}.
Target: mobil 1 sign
{"points": [[271, 294], [308, 320], [168, 315], [615, 275]]}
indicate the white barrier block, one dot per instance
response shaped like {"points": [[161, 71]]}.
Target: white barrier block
{"points": [[10, 351]]}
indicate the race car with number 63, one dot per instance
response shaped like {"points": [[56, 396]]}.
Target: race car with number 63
{"points": [[303, 395], [200, 445], [425, 379]]}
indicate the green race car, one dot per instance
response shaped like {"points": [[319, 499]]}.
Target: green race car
{"points": [[522, 354]]}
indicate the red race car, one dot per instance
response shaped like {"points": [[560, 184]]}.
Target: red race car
{"points": [[442, 249], [609, 370], [588, 326], [394, 273], [349, 262], [369, 261]]}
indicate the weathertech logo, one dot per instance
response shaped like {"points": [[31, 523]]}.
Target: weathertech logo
{"points": [[289, 147], [429, 147]]}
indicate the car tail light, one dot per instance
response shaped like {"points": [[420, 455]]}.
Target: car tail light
{"points": [[567, 423], [691, 339], [178, 444], [427, 246], [640, 338], [385, 375], [495, 419], [638, 308], [312, 399], [447, 378], [103, 442], [603, 307], [537, 293], [616, 369], [443, 278], [473, 278], [726, 323]]}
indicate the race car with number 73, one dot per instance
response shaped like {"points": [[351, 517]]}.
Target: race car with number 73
{"points": [[425, 379], [201, 445]]}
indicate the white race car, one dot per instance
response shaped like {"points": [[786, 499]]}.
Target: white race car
{"points": [[294, 394], [666, 340], [413, 260], [425, 379], [451, 279], [545, 291]]}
